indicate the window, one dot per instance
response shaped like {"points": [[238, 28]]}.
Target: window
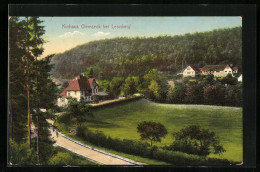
{"points": [[188, 72], [68, 93], [75, 92], [225, 71]]}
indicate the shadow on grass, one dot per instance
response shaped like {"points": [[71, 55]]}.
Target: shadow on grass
{"points": [[101, 124]]}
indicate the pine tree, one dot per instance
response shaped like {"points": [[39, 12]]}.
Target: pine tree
{"points": [[36, 41]]}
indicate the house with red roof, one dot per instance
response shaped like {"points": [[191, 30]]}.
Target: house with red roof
{"points": [[218, 71], [79, 88]]}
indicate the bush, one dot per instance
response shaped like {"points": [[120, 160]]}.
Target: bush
{"points": [[194, 140], [62, 158], [145, 150]]}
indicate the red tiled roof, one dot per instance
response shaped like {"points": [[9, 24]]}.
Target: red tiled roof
{"points": [[78, 84], [213, 67]]}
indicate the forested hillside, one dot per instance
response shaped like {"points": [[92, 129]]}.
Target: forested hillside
{"points": [[133, 56]]}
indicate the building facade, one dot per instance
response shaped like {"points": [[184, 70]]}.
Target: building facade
{"points": [[191, 71], [219, 71], [79, 88]]}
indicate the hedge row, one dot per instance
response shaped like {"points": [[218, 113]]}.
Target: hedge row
{"points": [[143, 149]]}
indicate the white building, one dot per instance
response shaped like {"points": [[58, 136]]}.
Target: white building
{"points": [[239, 79], [191, 71], [219, 71], [80, 87]]}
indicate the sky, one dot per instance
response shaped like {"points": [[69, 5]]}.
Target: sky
{"points": [[64, 33]]}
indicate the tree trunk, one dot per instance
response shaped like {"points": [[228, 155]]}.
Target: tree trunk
{"points": [[28, 105], [37, 107], [38, 128], [11, 116], [28, 89]]}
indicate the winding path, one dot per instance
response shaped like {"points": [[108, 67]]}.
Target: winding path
{"points": [[90, 153]]}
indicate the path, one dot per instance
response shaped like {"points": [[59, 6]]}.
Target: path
{"points": [[88, 152], [105, 102]]}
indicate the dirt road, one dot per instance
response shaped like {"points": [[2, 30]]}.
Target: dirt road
{"points": [[95, 155]]}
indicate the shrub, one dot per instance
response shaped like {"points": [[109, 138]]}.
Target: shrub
{"points": [[62, 158], [145, 150], [194, 140]]}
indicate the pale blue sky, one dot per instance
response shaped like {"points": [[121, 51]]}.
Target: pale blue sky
{"points": [[61, 39]]}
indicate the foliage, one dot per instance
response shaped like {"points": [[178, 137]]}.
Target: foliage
{"points": [[31, 88], [134, 56], [79, 111], [62, 158], [17, 79], [229, 80], [89, 73], [115, 86], [194, 140], [177, 94], [104, 85], [194, 94], [21, 154], [145, 150], [222, 120], [151, 131], [130, 86], [213, 94], [233, 95]]}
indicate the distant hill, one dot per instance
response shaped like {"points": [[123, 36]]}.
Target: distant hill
{"points": [[133, 56]]}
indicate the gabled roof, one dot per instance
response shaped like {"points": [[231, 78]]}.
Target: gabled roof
{"points": [[194, 67], [213, 67], [216, 67], [79, 84], [90, 80]]}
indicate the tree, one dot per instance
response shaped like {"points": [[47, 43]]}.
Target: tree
{"points": [[229, 80], [153, 88], [129, 87], [233, 95], [115, 86], [152, 75], [89, 73], [206, 79], [194, 94], [46, 99], [195, 140], [79, 111], [177, 94], [36, 49], [104, 85], [151, 131], [213, 94], [20, 153], [17, 80]]}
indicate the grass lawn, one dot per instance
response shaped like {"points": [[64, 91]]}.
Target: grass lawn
{"points": [[77, 159], [120, 121]]}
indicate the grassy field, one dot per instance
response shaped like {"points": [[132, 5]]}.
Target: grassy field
{"points": [[120, 121], [78, 160]]}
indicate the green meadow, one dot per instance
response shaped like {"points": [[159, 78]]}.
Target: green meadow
{"points": [[121, 120]]}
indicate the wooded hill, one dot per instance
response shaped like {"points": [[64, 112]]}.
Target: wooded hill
{"points": [[134, 56]]}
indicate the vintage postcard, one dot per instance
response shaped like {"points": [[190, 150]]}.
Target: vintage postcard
{"points": [[130, 91]]}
